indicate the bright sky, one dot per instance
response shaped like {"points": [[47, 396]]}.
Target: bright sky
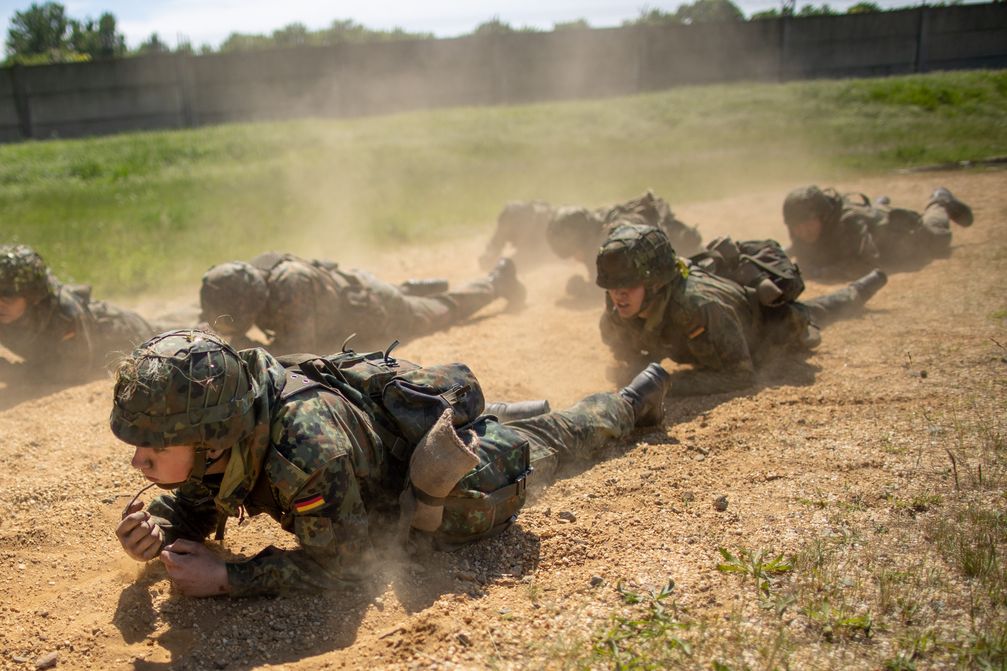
{"points": [[211, 21]]}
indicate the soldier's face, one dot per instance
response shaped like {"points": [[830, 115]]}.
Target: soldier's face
{"points": [[165, 466], [628, 301], [12, 308], [808, 230]]}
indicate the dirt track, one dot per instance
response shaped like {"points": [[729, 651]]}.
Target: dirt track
{"points": [[845, 425]]}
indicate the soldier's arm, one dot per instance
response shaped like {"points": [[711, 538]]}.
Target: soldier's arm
{"points": [[188, 512], [723, 360], [328, 517], [625, 348], [290, 313]]}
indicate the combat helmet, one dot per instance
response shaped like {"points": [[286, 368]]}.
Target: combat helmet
{"points": [[633, 255], [809, 201], [184, 387], [23, 273], [235, 290], [569, 228]]}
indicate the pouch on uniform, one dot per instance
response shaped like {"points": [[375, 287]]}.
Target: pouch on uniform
{"points": [[405, 401]]}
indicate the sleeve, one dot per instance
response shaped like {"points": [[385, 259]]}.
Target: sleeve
{"points": [[68, 343], [622, 341], [856, 244], [329, 519], [187, 513], [721, 356]]}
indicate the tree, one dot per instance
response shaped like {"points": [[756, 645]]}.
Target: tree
{"points": [[703, 11], [97, 39], [292, 35], [493, 27], [579, 24], [153, 45], [811, 10], [37, 31], [864, 8]]}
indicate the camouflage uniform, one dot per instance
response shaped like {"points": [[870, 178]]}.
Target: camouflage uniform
{"points": [[716, 325], [857, 235], [577, 232], [521, 226], [64, 336], [315, 462], [314, 306]]}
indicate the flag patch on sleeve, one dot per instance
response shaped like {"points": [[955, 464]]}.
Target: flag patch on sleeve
{"points": [[307, 505], [696, 332]]}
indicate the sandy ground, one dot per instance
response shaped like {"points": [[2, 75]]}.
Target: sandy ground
{"points": [[814, 429]]}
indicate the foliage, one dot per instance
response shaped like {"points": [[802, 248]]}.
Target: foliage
{"points": [[646, 637], [45, 34], [576, 24], [298, 35], [755, 564], [699, 11], [153, 45], [863, 8]]}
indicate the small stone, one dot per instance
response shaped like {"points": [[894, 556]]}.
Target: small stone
{"points": [[721, 503], [597, 581], [466, 576], [47, 661], [567, 516], [18, 659], [923, 373], [464, 639], [699, 457], [688, 497]]}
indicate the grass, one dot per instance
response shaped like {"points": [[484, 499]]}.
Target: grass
{"points": [[139, 212]]}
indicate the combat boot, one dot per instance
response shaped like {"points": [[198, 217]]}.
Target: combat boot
{"points": [[958, 212], [870, 284], [507, 285], [508, 412], [646, 395]]}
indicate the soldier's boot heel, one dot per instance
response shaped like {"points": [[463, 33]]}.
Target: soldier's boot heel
{"points": [[508, 286], [646, 395], [508, 412]]}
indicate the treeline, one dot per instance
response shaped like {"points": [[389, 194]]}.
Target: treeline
{"points": [[44, 33]]}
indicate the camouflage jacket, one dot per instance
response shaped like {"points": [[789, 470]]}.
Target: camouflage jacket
{"points": [[847, 244], [315, 464], [313, 306], [707, 321], [651, 210], [68, 338]]}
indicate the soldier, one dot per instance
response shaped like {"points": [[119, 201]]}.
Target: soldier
{"points": [[61, 335], [657, 306], [310, 306], [841, 236], [520, 232], [234, 431], [576, 232]]}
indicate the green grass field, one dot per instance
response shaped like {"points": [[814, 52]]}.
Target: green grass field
{"points": [[138, 212]]}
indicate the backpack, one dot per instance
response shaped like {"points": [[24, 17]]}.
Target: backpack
{"points": [[750, 262], [404, 400]]}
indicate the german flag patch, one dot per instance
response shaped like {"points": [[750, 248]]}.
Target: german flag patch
{"points": [[696, 332], [307, 505]]}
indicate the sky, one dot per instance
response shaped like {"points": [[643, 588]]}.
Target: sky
{"points": [[211, 21]]}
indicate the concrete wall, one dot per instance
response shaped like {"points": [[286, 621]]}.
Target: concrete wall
{"points": [[173, 91]]}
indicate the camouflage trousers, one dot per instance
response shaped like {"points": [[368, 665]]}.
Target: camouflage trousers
{"points": [[413, 316], [907, 237], [835, 306], [575, 434]]}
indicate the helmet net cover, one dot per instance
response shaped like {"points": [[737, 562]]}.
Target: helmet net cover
{"points": [[23, 273], [806, 202], [234, 290], [184, 387], [569, 228], [635, 255]]}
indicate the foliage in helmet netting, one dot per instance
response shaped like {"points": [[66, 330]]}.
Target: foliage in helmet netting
{"points": [[23, 273], [185, 387], [634, 255]]}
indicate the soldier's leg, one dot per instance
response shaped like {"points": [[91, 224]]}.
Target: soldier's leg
{"points": [[847, 301], [427, 314], [577, 433]]}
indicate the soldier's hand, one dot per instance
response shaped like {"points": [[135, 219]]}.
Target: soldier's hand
{"points": [[194, 569], [137, 533]]}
